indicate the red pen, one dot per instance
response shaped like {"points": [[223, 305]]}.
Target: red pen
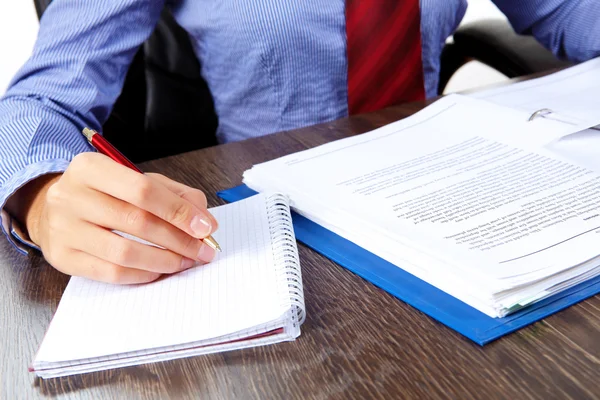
{"points": [[104, 147]]}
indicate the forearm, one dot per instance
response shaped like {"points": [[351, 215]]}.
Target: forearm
{"points": [[72, 79], [569, 28], [37, 140]]}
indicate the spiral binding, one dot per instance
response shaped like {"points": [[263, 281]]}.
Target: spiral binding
{"points": [[285, 254]]}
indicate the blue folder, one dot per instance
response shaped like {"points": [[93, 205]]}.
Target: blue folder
{"points": [[451, 312]]}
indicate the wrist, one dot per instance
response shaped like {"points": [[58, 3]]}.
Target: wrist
{"points": [[27, 204]]}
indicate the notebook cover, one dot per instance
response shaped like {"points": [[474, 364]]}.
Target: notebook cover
{"points": [[446, 309]]}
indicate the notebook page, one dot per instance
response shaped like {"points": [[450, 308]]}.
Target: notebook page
{"points": [[237, 291]]}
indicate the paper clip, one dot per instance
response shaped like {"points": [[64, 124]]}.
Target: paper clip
{"points": [[540, 113]]}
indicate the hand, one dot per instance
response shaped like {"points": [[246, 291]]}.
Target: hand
{"points": [[71, 217]]}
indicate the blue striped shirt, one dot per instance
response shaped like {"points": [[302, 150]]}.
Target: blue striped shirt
{"points": [[271, 65]]}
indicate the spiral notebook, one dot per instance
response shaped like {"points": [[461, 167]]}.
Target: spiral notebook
{"points": [[250, 295]]}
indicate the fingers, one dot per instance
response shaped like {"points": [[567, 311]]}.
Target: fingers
{"points": [[118, 250], [111, 213], [94, 196], [194, 196], [78, 263], [104, 175]]}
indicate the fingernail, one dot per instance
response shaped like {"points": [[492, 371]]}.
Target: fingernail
{"points": [[186, 263], [201, 226], [206, 253]]}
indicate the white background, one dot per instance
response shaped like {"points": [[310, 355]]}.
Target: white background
{"points": [[19, 25]]}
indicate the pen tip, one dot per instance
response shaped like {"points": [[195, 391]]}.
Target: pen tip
{"points": [[209, 240]]}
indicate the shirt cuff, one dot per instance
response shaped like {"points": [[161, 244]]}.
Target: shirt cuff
{"points": [[15, 234], [10, 227]]}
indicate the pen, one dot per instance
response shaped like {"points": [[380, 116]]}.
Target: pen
{"points": [[104, 147]]}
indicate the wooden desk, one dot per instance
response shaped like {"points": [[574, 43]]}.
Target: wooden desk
{"points": [[357, 342]]}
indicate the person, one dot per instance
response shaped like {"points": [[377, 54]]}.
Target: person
{"points": [[271, 65]]}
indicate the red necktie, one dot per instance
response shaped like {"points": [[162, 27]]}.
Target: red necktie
{"points": [[384, 53]]}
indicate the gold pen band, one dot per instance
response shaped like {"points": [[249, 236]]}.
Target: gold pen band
{"points": [[209, 240]]}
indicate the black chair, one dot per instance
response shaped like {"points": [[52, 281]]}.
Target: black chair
{"points": [[166, 108], [494, 43]]}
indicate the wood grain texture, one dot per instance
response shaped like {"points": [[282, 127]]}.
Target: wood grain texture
{"points": [[357, 342]]}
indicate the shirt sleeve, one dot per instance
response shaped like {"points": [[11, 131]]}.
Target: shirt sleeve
{"points": [[569, 28], [71, 80]]}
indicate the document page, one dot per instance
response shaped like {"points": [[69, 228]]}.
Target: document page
{"points": [[582, 148], [461, 178], [572, 95]]}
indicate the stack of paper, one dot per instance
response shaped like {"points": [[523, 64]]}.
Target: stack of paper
{"points": [[466, 195]]}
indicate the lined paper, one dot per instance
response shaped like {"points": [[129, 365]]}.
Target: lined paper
{"points": [[238, 291]]}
